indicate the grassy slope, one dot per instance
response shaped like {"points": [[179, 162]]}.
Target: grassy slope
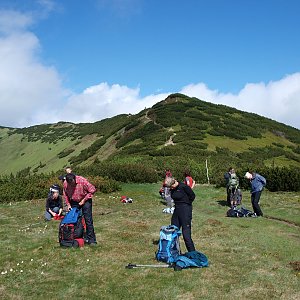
{"points": [[181, 110], [238, 146], [249, 258], [17, 155]]}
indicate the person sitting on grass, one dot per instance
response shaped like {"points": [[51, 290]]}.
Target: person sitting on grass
{"points": [[54, 205]]}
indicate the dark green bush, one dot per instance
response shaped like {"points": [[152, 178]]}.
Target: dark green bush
{"points": [[21, 188], [65, 153]]}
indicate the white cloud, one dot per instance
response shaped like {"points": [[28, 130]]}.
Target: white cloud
{"points": [[33, 93], [12, 21], [278, 100], [28, 89], [103, 101]]}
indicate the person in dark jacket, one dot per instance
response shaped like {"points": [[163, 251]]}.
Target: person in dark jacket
{"points": [[227, 177], [54, 206], [183, 197], [258, 183]]}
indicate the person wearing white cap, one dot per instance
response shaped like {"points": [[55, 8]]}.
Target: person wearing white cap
{"points": [[54, 205], [258, 183]]}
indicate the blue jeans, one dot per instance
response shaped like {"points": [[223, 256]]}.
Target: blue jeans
{"points": [[48, 216], [87, 211]]}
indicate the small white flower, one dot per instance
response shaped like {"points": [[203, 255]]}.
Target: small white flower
{"points": [[11, 270], [2, 273], [87, 260], [21, 271], [31, 259], [22, 261], [18, 264], [42, 273]]}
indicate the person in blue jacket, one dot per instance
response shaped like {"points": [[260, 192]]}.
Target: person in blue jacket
{"points": [[183, 197], [258, 183]]}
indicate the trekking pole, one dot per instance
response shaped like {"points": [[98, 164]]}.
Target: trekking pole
{"points": [[133, 266]]}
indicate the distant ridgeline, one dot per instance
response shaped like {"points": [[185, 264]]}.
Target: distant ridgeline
{"points": [[177, 133]]}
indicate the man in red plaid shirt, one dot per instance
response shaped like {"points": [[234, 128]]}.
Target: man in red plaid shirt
{"points": [[78, 192]]}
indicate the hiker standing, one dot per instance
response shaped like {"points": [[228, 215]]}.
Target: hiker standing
{"points": [[54, 205], [227, 176], [183, 197], [78, 192], [258, 183], [165, 190], [233, 184], [68, 170]]}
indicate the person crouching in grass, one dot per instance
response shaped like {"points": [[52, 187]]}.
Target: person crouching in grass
{"points": [[54, 206]]}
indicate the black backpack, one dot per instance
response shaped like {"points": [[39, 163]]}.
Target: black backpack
{"points": [[240, 212], [71, 235]]}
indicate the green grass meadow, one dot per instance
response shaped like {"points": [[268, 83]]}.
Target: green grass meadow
{"points": [[250, 258]]}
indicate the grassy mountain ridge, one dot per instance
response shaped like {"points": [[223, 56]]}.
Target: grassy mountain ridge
{"points": [[178, 126]]}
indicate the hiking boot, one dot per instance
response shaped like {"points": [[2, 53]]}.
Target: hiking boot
{"points": [[92, 244], [177, 268]]}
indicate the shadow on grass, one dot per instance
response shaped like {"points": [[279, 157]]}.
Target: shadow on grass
{"points": [[222, 202]]}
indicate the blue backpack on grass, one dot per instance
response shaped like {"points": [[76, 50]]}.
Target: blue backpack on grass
{"points": [[168, 246], [192, 259]]}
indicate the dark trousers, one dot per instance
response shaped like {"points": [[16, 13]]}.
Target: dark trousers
{"points": [[228, 200], [255, 200], [182, 218], [87, 211]]}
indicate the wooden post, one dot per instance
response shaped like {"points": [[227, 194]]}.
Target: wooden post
{"points": [[207, 171]]}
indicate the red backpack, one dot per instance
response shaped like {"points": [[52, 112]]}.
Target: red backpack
{"points": [[71, 235], [189, 181]]}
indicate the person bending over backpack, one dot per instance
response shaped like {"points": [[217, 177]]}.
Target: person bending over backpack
{"points": [[78, 192], [258, 183], [54, 206], [183, 197]]}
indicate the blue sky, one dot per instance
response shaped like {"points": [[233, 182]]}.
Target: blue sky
{"points": [[87, 60]]}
